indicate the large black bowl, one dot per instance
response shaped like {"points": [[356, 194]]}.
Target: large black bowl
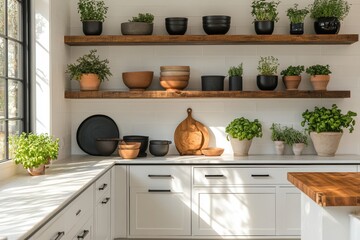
{"points": [[212, 29], [265, 82], [176, 29], [216, 17], [106, 146], [159, 148], [176, 20], [216, 22], [144, 140]]}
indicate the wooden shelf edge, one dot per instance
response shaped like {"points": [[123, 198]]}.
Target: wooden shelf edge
{"points": [[203, 94], [210, 39]]}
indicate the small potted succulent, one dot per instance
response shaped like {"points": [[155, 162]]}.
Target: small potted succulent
{"points": [[89, 70], [235, 78], [240, 132], [292, 76], [278, 137], [140, 25], [297, 17], [33, 151], [266, 15], [328, 14], [297, 139], [267, 78], [319, 76], [92, 15], [325, 126]]}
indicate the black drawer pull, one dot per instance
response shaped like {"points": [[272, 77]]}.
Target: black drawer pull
{"points": [[59, 235], [85, 233], [103, 187], [159, 176], [105, 201], [159, 190], [260, 175], [78, 212], [214, 176]]}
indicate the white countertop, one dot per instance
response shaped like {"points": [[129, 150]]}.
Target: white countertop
{"points": [[27, 203]]}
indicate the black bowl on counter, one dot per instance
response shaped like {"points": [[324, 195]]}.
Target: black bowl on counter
{"points": [[144, 140], [159, 148], [106, 146], [212, 83]]}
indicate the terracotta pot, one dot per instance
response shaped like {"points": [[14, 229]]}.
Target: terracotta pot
{"points": [[240, 147], [320, 82], [298, 148], [89, 82], [37, 171], [291, 82], [326, 143], [279, 147]]}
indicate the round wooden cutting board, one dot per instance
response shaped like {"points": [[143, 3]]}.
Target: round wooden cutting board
{"points": [[191, 136]]}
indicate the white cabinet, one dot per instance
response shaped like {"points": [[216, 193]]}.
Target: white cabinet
{"points": [[119, 194], [85, 232], [103, 207], [160, 201]]}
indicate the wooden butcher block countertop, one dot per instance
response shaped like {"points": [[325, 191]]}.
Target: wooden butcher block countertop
{"points": [[329, 189]]}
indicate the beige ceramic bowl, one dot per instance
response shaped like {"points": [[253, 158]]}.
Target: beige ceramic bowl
{"points": [[137, 81], [212, 151], [129, 153], [175, 68], [173, 85]]}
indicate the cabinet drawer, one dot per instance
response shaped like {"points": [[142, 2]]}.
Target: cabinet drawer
{"points": [[102, 185], [176, 178]]}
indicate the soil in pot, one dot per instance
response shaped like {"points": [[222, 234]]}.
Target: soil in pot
{"points": [[212, 83], [327, 25], [137, 28], [89, 82], [326, 143], [92, 27], [235, 83], [267, 82], [291, 82], [264, 27], [320, 82], [296, 28]]}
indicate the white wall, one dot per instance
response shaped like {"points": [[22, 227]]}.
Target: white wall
{"points": [[159, 118]]}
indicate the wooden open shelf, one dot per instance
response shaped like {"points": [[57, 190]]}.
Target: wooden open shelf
{"points": [[204, 94], [209, 39]]}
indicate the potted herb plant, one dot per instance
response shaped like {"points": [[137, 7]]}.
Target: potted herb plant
{"points": [[328, 14], [266, 15], [267, 78], [89, 70], [325, 126], [297, 17], [140, 25], [292, 76], [92, 15], [319, 76], [278, 137], [235, 77], [33, 151], [297, 139], [241, 131]]}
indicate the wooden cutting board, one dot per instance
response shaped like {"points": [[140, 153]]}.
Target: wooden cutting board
{"points": [[191, 136]]}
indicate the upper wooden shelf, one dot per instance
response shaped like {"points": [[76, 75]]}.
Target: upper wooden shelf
{"points": [[204, 94], [209, 39]]}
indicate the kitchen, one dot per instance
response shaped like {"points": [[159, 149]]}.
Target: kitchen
{"points": [[158, 118]]}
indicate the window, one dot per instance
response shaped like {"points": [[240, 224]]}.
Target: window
{"points": [[14, 97]]}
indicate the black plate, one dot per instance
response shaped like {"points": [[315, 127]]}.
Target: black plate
{"points": [[92, 128]]}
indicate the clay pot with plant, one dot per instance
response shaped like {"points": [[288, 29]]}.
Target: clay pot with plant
{"points": [[319, 76], [325, 126], [140, 25], [278, 137], [90, 71], [265, 14], [296, 139], [92, 15], [297, 17], [328, 14], [33, 151], [267, 78], [292, 76], [240, 132], [235, 78]]}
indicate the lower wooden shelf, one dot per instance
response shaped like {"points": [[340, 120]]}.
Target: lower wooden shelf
{"points": [[203, 94]]}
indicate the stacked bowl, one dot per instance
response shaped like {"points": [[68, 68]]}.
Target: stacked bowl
{"points": [[129, 150], [173, 78], [216, 24], [176, 25]]}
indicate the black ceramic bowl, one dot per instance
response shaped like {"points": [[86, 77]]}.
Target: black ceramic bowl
{"points": [[212, 29], [176, 20], [159, 148], [216, 17], [144, 140], [106, 146], [266, 82], [176, 29], [212, 83], [216, 22]]}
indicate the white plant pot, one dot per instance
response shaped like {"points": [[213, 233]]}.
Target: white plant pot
{"points": [[298, 148], [326, 143], [240, 147], [279, 147]]}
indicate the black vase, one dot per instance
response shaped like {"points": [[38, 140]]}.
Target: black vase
{"points": [[296, 28], [264, 27], [327, 25], [267, 82], [235, 83], [92, 27]]}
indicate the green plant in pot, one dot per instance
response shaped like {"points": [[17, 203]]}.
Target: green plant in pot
{"points": [[328, 14], [292, 76], [89, 70], [92, 15], [235, 77], [139, 25], [278, 137], [325, 126], [319, 76], [267, 78], [297, 17], [33, 151], [240, 132], [265, 14], [297, 139]]}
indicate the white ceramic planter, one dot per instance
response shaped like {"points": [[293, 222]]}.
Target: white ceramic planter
{"points": [[279, 147], [326, 143], [298, 148], [240, 147]]}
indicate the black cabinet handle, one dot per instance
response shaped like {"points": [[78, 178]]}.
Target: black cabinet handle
{"points": [[78, 212], [85, 233], [159, 176], [59, 235], [214, 176], [103, 187], [260, 175], [159, 190], [105, 201]]}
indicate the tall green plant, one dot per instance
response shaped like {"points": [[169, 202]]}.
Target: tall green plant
{"points": [[329, 8], [268, 65], [242, 128], [297, 15], [265, 11], [92, 10]]}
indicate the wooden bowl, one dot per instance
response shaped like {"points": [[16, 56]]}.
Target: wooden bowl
{"points": [[173, 85], [137, 81], [212, 151], [129, 153], [129, 145], [174, 78], [175, 68], [174, 73]]}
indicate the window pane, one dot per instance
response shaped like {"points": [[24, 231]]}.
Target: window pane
{"points": [[15, 128], [14, 57], [2, 57], [2, 16], [15, 94], [2, 98], [14, 23], [2, 140]]}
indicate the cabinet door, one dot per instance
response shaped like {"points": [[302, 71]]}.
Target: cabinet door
{"points": [[288, 211], [85, 232], [53, 231], [234, 211], [159, 212], [103, 217]]}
